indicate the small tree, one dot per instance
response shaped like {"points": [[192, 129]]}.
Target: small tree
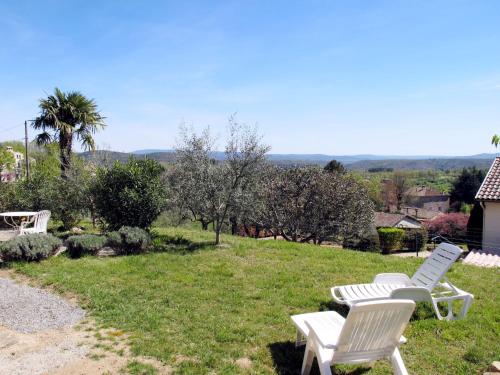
{"points": [[400, 181], [190, 178], [131, 194], [64, 116], [308, 204], [451, 226], [7, 160], [466, 186], [215, 187], [335, 166]]}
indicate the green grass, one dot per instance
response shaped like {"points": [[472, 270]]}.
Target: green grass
{"points": [[138, 368], [200, 308]]}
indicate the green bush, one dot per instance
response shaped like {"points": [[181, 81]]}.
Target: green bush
{"points": [[129, 240], [415, 239], [131, 194], [390, 239], [85, 244], [29, 247]]}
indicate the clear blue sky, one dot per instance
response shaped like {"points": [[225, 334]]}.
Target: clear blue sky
{"points": [[334, 77]]}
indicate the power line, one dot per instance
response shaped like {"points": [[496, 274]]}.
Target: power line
{"points": [[10, 128]]}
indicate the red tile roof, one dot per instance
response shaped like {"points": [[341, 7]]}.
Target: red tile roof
{"points": [[490, 189], [423, 191]]}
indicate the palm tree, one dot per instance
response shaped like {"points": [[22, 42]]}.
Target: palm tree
{"points": [[495, 140], [63, 116]]}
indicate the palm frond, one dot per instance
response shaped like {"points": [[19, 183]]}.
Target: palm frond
{"points": [[43, 138], [495, 140]]}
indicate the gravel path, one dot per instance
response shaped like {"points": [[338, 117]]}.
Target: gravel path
{"points": [[26, 309]]}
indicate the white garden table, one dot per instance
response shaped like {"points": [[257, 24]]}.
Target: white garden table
{"points": [[15, 218]]}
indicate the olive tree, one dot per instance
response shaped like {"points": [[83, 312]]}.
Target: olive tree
{"points": [[308, 204], [208, 190], [190, 177]]}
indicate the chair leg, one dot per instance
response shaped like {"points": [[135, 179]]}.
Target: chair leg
{"points": [[308, 359], [324, 362], [397, 363], [324, 367], [299, 340], [436, 310], [450, 315], [467, 302]]}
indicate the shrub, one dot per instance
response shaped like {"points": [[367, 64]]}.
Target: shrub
{"points": [[415, 239], [129, 240], [29, 247], [390, 239], [85, 244], [131, 194]]}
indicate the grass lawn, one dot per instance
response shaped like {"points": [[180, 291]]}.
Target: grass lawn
{"points": [[200, 308]]}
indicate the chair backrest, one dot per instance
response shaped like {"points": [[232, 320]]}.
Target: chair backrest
{"points": [[436, 265], [372, 330], [41, 221]]}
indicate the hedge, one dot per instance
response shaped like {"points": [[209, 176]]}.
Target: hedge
{"points": [[85, 244], [29, 247], [390, 239], [129, 240]]}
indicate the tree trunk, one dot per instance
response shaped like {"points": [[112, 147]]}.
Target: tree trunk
{"points": [[204, 225], [257, 230], [65, 146], [234, 225], [217, 235]]}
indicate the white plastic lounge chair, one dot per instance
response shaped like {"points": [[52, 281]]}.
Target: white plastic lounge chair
{"points": [[425, 285], [371, 331], [40, 221]]}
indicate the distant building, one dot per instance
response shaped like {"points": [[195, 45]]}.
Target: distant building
{"points": [[488, 196], [421, 214], [427, 199], [388, 220], [17, 171]]}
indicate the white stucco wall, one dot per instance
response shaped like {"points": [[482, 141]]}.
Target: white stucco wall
{"points": [[409, 224], [491, 226]]}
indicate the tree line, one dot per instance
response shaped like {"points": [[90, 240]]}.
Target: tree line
{"points": [[243, 190]]}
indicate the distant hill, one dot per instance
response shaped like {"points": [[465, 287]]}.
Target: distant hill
{"points": [[436, 164], [354, 162]]}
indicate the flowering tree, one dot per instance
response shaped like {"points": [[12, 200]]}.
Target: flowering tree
{"points": [[452, 226]]}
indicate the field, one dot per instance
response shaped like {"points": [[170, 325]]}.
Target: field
{"points": [[226, 310]]}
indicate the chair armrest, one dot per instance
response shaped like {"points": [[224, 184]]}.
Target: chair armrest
{"points": [[415, 293], [326, 336], [392, 278]]}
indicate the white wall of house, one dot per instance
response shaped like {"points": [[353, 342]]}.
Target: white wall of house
{"points": [[491, 226], [408, 224]]}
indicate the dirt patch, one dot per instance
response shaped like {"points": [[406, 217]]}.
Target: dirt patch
{"points": [[244, 363], [79, 349]]}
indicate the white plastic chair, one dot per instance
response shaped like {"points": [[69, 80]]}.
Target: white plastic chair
{"points": [[40, 221], [371, 331], [425, 285]]}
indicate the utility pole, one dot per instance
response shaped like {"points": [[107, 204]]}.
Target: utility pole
{"points": [[26, 157]]}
